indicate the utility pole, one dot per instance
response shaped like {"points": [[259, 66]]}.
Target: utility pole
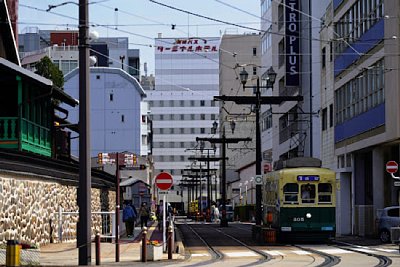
{"points": [[84, 190], [258, 100], [223, 141], [207, 159]]}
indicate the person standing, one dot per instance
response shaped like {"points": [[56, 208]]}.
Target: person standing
{"points": [[129, 217], [144, 214]]}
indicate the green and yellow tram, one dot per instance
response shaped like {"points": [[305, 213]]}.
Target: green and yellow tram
{"points": [[299, 200]]}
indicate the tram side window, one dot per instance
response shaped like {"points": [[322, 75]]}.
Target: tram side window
{"points": [[324, 193], [290, 191], [307, 193]]}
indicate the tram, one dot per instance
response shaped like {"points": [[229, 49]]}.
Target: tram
{"points": [[299, 200]]}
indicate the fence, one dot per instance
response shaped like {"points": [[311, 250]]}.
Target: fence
{"points": [[103, 222]]}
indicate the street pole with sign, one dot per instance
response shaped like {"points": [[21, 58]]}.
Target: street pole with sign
{"points": [[164, 182]]}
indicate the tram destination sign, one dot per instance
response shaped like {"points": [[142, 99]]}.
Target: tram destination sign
{"points": [[308, 178]]}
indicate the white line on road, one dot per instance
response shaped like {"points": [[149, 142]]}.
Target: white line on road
{"points": [[388, 250], [274, 252], [200, 255], [301, 252], [335, 251], [241, 254]]}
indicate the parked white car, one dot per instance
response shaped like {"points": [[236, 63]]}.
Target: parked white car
{"points": [[389, 217]]}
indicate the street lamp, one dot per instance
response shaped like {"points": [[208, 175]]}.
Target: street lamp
{"points": [[270, 83]]}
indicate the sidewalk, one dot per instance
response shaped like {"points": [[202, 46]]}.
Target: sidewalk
{"points": [[66, 254]]}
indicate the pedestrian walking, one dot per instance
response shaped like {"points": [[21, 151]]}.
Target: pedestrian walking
{"points": [[144, 214], [129, 217]]}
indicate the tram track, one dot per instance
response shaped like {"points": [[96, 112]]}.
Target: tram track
{"points": [[329, 260], [383, 260], [234, 244]]}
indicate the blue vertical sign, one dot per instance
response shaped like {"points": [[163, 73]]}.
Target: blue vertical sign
{"points": [[292, 43]]}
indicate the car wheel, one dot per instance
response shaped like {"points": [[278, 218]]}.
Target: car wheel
{"points": [[385, 236]]}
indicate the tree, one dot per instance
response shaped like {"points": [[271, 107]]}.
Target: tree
{"points": [[49, 70]]}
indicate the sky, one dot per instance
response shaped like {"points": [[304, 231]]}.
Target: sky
{"points": [[142, 20]]}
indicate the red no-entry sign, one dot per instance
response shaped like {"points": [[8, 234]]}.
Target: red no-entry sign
{"points": [[392, 166], [164, 181]]}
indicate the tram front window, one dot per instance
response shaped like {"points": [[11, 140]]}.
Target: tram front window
{"points": [[290, 191], [324, 193], [308, 193]]}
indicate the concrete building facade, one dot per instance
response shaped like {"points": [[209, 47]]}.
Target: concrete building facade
{"points": [[363, 89], [237, 52], [117, 120], [290, 44]]}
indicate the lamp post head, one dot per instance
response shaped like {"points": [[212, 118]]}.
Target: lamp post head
{"points": [[214, 127], [271, 76], [233, 125], [243, 77]]}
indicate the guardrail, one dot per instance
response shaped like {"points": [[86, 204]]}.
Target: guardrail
{"points": [[103, 222]]}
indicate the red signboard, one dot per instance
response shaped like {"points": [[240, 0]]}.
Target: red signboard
{"points": [[392, 166], [164, 181]]}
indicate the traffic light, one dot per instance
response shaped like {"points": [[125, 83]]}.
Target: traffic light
{"points": [[142, 167], [100, 158]]}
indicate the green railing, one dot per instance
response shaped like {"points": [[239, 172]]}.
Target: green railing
{"points": [[8, 132], [35, 138]]}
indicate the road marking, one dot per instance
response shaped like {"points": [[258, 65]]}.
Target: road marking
{"points": [[335, 251], [274, 252], [301, 252], [200, 255], [241, 254], [363, 250], [387, 250]]}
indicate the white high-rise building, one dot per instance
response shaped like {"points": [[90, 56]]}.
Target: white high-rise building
{"points": [[182, 106]]}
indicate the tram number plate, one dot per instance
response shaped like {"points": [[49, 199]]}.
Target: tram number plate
{"points": [[298, 219]]}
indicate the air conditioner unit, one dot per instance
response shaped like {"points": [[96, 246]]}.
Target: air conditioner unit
{"points": [[395, 234]]}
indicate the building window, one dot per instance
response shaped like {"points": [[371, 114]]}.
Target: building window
{"points": [[122, 118], [111, 97], [281, 47], [254, 70], [324, 119], [331, 115], [143, 118], [254, 51], [323, 55], [202, 131], [202, 103], [202, 116], [360, 94]]}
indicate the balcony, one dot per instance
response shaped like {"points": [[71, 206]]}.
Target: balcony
{"points": [[32, 137]]}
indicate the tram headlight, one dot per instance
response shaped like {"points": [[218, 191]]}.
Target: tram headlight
{"points": [[308, 215]]}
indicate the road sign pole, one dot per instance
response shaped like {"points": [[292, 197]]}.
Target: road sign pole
{"points": [[164, 218]]}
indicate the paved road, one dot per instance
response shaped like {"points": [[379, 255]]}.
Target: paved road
{"points": [[230, 252]]}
